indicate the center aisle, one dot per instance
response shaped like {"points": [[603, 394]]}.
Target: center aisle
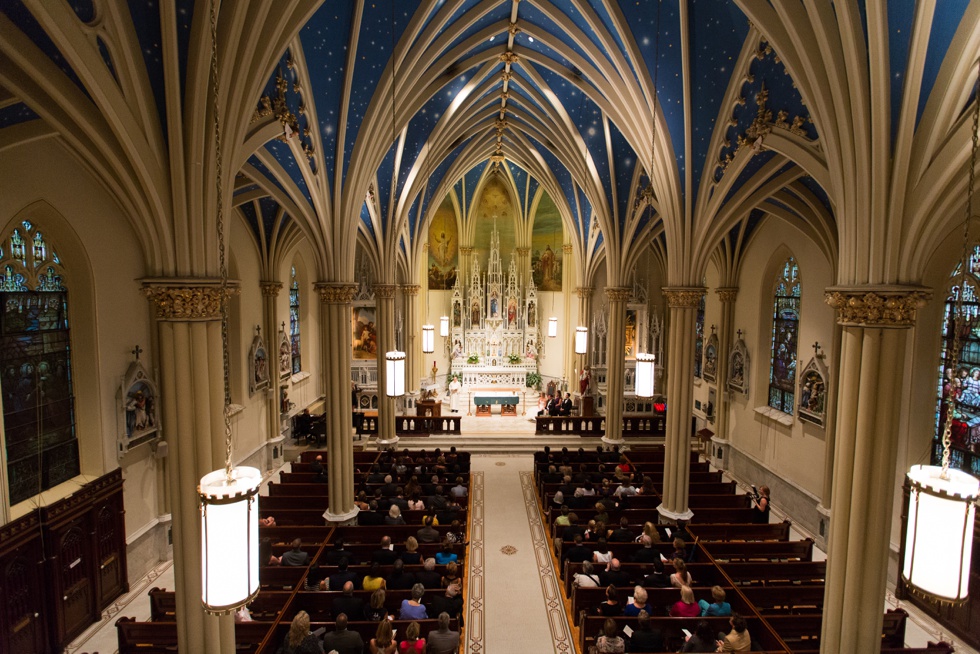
{"points": [[515, 603]]}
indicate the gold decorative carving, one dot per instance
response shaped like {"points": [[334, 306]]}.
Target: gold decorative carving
{"points": [[270, 289], [584, 292], [877, 306], [566, 248], [188, 301], [619, 293], [384, 291], [523, 251], [410, 289], [513, 29], [683, 297], [336, 293], [727, 294], [466, 251], [509, 57]]}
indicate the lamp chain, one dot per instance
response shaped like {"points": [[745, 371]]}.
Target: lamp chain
{"points": [[960, 322], [220, 224]]}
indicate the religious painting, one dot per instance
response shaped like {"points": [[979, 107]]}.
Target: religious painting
{"points": [[710, 368], [630, 341], [738, 368], [546, 245], [364, 335], [138, 401], [443, 247], [285, 356], [813, 393], [258, 366]]}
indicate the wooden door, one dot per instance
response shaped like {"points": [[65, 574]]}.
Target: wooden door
{"points": [[22, 622]]}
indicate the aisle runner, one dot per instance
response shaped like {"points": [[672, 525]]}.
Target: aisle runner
{"points": [[514, 596]]}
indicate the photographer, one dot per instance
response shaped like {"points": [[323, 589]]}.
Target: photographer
{"points": [[761, 499]]}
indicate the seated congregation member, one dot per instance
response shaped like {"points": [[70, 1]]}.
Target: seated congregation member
{"points": [[647, 553], [601, 514], [415, 502], [446, 554], [428, 577], [372, 516], [413, 609], [428, 533], [623, 534], [303, 429], [333, 557], [702, 640], [645, 638], [296, 556], [437, 501], [680, 550], [337, 580], [601, 553], [373, 579], [399, 500], [442, 640], [266, 557], [347, 603], [299, 640], [411, 555], [587, 578], [638, 604], [738, 639], [685, 607], [318, 468], [456, 534], [459, 491], [609, 642], [562, 519], [451, 576], [412, 643], [343, 640], [554, 406], [375, 609], [577, 553], [626, 488], [566, 406], [385, 554], [394, 516], [655, 577], [384, 640], [399, 579], [680, 577], [612, 606], [718, 608], [646, 487], [615, 575], [450, 602], [573, 528]]}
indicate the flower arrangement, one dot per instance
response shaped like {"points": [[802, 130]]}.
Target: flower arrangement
{"points": [[513, 358], [473, 358]]}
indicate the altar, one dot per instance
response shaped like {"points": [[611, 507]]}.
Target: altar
{"points": [[509, 400]]}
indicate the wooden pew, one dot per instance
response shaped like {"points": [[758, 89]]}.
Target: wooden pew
{"points": [[591, 626], [737, 532], [798, 550], [161, 637], [787, 599], [767, 574], [266, 606], [587, 600], [703, 574]]}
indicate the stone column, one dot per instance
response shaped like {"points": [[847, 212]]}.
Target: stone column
{"points": [[188, 313], [615, 362], [565, 319], [875, 322], [720, 440], [270, 295], [413, 343], [335, 345], [830, 445], [523, 264], [465, 258], [384, 295], [584, 294], [682, 303]]}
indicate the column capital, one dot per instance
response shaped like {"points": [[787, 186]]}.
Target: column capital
{"points": [[335, 292], [183, 298], [466, 250], [618, 293], [425, 246], [683, 297], [566, 248], [384, 291], [523, 251], [727, 294], [270, 289], [877, 306], [410, 289], [584, 292]]}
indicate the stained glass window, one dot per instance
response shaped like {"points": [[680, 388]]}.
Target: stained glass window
{"points": [[962, 376], [35, 357], [294, 323], [699, 338], [785, 326]]}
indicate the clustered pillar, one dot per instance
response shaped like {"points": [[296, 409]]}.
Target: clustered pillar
{"points": [[270, 294], [875, 322], [385, 296], [726, 296], [682, 303], [615, 362], [335, 316], [188, 318], [413, 345]]}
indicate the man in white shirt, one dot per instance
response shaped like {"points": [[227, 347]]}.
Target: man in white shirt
{"points": [[587, 578]]}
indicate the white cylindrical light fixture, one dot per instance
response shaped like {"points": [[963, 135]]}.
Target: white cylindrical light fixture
{"points": [[645, 372], [444, 326], [939, 533], [229, 538], [552, 327], [395, 374], [428, 339], [581, 340]]}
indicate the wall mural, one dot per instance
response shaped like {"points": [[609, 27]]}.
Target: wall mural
{"points": [[546, 243], [443, 247]]}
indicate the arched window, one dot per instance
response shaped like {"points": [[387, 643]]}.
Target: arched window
{"points": [[961, 377], [35, 356], [699, 338], [785, 325], [294, 339]]}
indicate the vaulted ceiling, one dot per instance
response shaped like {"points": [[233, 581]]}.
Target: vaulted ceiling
{"points": [[369, 113]]}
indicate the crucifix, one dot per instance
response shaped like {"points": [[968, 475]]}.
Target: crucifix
{"points": [[817, 350], [739, 332], [258, 330], [137, 351], [712, 330]]}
